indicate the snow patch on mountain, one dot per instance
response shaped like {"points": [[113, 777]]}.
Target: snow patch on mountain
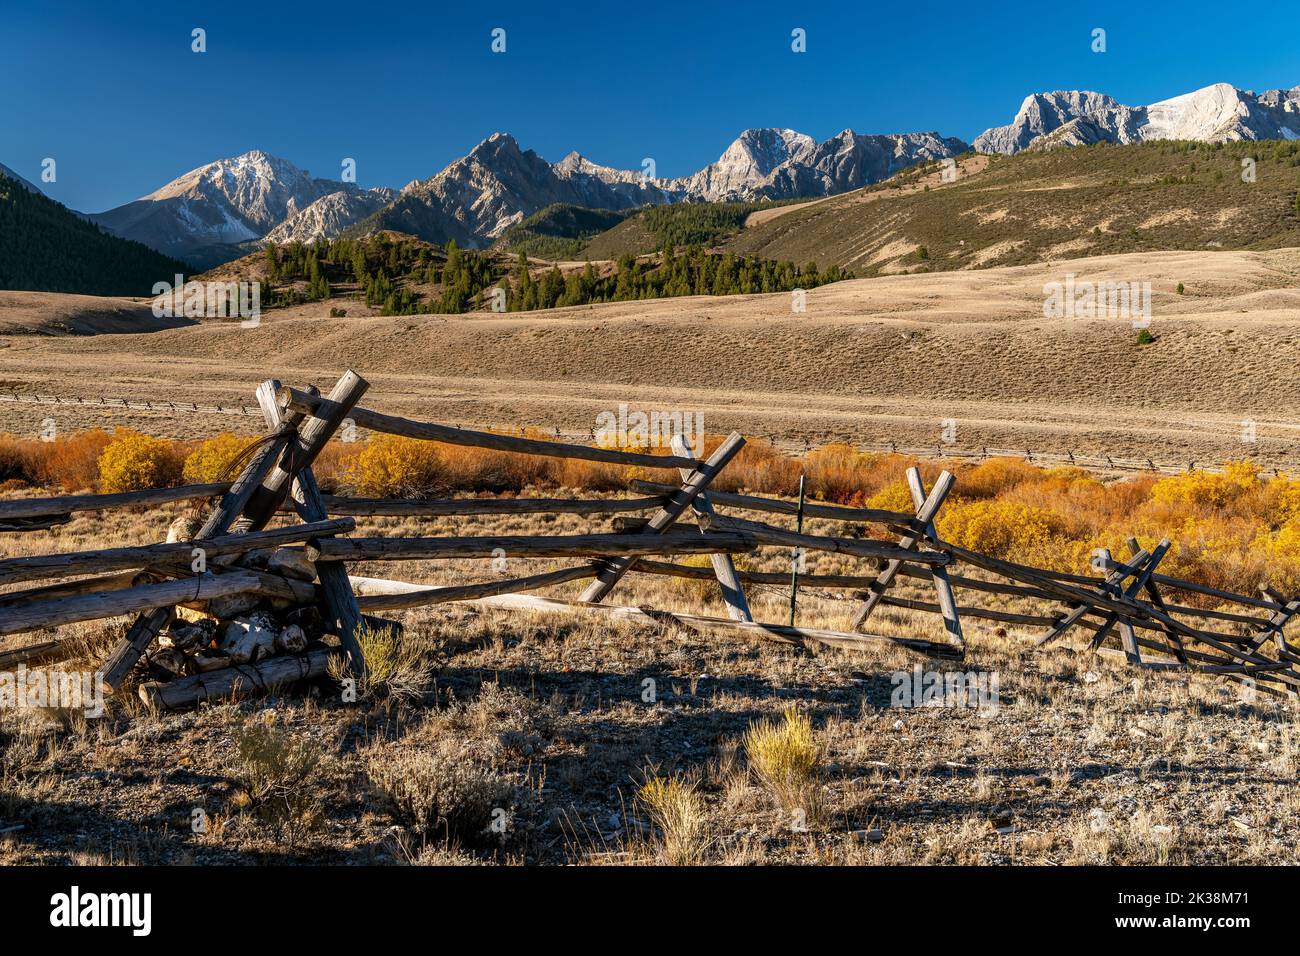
{"points": [[330, 215]]}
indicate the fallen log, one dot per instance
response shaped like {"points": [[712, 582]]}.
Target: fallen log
{"points": [[533, 546], [239, 680]]}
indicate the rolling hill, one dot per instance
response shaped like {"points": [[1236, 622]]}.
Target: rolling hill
{"points": [[1045, 204]]}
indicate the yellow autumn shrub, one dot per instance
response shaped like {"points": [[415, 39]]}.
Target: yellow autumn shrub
{"points": [[1281, 552], [1004, 529], [1202, 490], [991, 478], [132, 462], [1282, 497], [391, 466], [895, 496], [215, 458], [1219, 551]]}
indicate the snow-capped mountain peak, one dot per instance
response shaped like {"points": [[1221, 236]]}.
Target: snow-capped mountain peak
{"points": [[1215, 113], [231, 201]]}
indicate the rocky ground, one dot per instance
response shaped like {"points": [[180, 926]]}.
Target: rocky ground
{"points": [[501, 737]]}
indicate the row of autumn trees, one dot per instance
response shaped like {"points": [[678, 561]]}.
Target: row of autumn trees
{"points": [[387, 269]]}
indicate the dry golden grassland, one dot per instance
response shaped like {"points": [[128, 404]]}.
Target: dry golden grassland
{"points": [[870, 360], [487, 736]]}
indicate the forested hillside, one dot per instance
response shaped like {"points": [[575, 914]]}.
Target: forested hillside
{"points": [[44, 247], [402, 275], [681, 224], [560, 231]]}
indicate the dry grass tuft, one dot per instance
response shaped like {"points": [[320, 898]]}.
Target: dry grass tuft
{"points": [[397, 667], [787, 757], [679, 814]]}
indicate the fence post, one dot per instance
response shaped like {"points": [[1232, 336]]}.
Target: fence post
{"points": [[724, 569], [924, 515], [794, 570], [340, 602]]}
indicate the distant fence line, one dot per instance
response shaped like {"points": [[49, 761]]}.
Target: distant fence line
{"points": [[936, 451], [121, 403]]}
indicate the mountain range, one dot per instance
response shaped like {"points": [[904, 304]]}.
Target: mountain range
{"points": [[206, 214], [498, 184], [227, 208], [222, 210]]}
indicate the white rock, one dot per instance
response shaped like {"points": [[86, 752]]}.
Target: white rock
{"points": [[247, 639], [205, 661]]}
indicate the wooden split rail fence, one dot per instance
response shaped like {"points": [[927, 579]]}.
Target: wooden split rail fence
{"points": [[239, 607]]}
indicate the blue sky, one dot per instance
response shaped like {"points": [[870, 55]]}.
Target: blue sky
{"points": [[113, 92]]}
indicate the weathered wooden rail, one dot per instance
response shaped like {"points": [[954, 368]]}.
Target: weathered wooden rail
{"points": [[236, 562]]}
